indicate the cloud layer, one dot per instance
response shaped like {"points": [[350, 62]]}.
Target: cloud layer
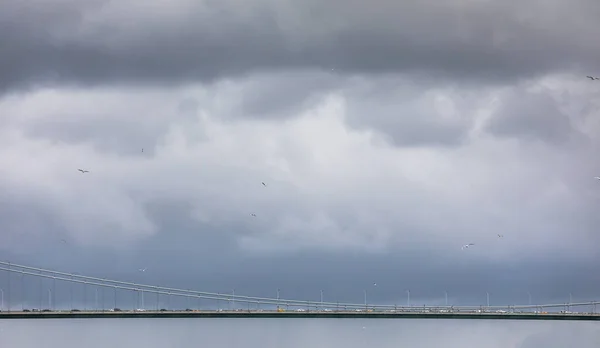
{"points": [[431, 127], [176, 41]]}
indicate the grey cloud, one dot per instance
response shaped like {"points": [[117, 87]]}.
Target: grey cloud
{"points": [[18, 213], [125, 139], [112, 125], [398, 108], [93, 43], [395, 105], [188, 106], [369, 206], [283, 94], [532, 115], [338, 211], [187, 253]]}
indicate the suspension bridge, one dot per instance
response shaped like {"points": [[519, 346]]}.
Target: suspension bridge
{"points": [[99, 297]]}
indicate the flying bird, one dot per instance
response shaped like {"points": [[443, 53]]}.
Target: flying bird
{"points": [[466, 246], [142, 270], [253, 214], [500, 236], [265, 185], [83, 171], [590, 77], [597, 177]]}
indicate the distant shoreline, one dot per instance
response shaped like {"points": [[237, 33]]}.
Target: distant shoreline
{"points": [[274, 314]]}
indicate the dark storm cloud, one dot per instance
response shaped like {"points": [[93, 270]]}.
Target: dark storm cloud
{"points": [[96, 42]]}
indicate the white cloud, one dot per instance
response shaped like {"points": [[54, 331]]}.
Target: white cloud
{"points": [[329, 185]]}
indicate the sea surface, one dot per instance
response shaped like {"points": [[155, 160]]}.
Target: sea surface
{"points": [[296, 332]]}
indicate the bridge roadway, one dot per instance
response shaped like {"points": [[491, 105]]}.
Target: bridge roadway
{"points": [[296, 314]]}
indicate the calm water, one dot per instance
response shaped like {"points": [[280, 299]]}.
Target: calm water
{"points": [[313, 333]]}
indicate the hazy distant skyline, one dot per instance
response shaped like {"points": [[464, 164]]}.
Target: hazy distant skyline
{"points": [[388, 135]]}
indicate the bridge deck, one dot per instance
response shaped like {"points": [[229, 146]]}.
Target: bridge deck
{"points": [[274, 314]]}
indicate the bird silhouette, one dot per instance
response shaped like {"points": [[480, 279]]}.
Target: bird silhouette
{"points": [[466, 246], [265, 185], [83, 171], [253, 214]]}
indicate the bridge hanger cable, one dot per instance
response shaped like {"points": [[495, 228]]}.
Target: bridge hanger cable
{"points": [[115, 284], [172, 291]]}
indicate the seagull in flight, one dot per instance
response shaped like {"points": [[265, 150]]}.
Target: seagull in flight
{"points": [[142, 270], [265, 185], [83, 171], [253, 214], [500, 236], [466, 246], [593, 78], [597, 177]]}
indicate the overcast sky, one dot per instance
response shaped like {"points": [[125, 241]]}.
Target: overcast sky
{"points": [[388, 135]]}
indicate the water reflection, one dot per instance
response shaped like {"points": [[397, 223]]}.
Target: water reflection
{"points": [[314, 333]]}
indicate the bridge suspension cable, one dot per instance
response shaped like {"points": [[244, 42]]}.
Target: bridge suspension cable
{"points": [[201, 294], [137, 287]]}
